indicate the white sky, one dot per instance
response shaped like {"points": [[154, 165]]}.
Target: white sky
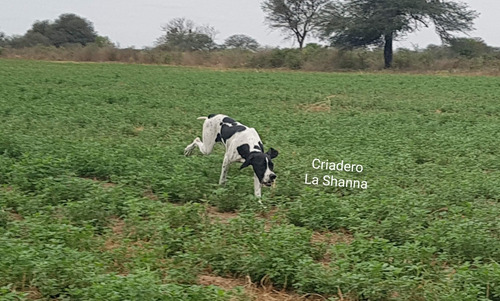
{"points": [[135, 23]]}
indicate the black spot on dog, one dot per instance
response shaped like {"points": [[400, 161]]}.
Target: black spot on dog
{"points": [[261, 146], [218, 139], [227, 131], [211, 115], [228, 120]]}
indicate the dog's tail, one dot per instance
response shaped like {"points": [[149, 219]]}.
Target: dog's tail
{"points": [[202, 118]]}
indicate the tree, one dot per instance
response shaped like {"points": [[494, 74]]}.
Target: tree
{"points": [[359, 23], [469, 47], [296, 18], [71, 29], [183, 35], [67, 29], [241, 41]]}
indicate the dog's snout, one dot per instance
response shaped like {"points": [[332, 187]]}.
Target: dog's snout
{"points": [[272, 176]]}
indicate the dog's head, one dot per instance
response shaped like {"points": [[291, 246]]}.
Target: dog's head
{"points": [[262, 165]]}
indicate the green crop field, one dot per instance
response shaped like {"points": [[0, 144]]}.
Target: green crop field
{"points": [[98, 202]]}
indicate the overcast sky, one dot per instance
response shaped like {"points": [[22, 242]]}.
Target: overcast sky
{"points": [[134, 23]]}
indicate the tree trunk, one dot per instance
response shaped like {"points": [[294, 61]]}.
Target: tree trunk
{"points": [[300, 39], [388, 50]]}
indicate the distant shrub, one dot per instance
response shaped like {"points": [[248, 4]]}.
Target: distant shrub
{"points": [[404, 59], [469, 47]]}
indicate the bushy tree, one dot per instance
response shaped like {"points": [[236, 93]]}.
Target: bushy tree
{"points": [[469, 47], [67, 29], [241, 41], [296, 18], [359, 23], [71, 29], [103, 41], [30, 39], [182, 34]]}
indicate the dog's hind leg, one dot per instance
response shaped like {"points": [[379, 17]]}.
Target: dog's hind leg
{"points": [[189, 149], [205, 148], [209, 139]]}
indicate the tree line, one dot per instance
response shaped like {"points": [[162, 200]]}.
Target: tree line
{"points": [[362, 23], [181, 34], [65, 30], [346, 24]]}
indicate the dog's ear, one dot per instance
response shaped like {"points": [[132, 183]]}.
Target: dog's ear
{"points": [[272, 153], [247, 162], [244, 151]]}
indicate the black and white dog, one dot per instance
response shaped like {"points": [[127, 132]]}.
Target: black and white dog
{"points": [[242, 143]]}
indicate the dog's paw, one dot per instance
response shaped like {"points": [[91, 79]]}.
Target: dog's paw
{"points": [[188, 151]]}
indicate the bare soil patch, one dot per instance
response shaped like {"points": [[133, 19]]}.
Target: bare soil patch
{"points": [[332, 238], [16, 216], [102, 183], [222, 217], [113, 241], [260, 292], [322, 106]]}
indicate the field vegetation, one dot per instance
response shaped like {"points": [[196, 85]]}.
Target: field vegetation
{"points": [[97, 201]]}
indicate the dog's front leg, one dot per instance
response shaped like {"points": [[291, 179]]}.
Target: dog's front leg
{"points": [[257, 186], [223, 173]]}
